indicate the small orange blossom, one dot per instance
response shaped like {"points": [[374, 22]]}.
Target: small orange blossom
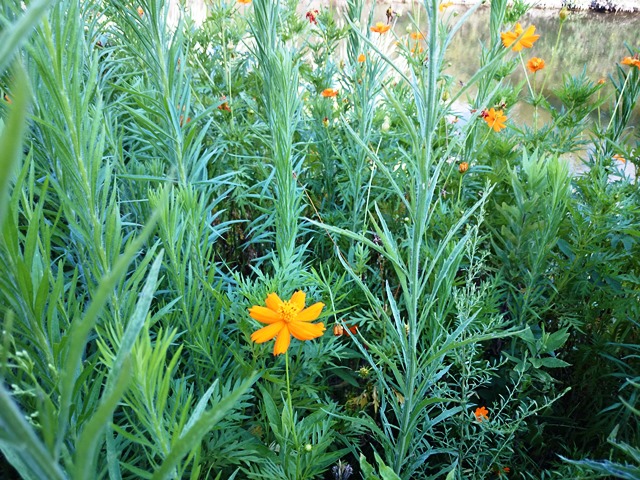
{"points": [[535, 64], [526, 41], [481, 413], [140, 11], [416, 36], [361, 58], [495, 119], [329, 92], [444, 6], [244, 2], [380, 28], [286, 318]]}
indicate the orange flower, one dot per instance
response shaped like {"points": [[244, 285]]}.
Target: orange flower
{"points": [[481, 413], [140, 11], [329, 92], [526, 41], [463, 167], [340, 330], [602, 81], [380, 28], [444, 6], [286, 318], [416, 36], [631, 61], [535, 64], [495, 119], [619, 158], [361, 58], [244, 2], [7, 99]]}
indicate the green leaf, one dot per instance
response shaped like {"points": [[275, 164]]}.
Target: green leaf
{"points": [[386, 472], [12, 133], [552, 362], [192, 436], [21, 445], [367, 470], [17, 34], [556, 340]]}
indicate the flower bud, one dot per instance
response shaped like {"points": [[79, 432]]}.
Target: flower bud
{"points": [[463, 167], [564, 13]]}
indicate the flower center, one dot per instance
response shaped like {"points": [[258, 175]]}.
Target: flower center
{"points": [[288, 311]]}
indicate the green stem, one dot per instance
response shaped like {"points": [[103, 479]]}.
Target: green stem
{"points": [[289, 403]]}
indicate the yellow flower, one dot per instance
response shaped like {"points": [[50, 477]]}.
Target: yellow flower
{"points": [[361, 58], [495, 119], [535, 64], [526, 41], [286, 318], [329, 92], [481, 413], [380, 28], [444, 6]]}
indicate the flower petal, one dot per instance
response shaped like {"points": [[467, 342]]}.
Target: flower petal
{"points": [[273, 302], [267, 333], [309, 314], [306, 331], [298, 299], [282, 342], [264, 315]]}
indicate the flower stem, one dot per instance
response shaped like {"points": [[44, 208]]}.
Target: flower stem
{"points": [[289, 403]]}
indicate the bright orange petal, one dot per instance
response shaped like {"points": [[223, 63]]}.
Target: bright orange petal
{"points": [[273, 302], [311, 313], [267, 333], [282, 342], [298, 299], [306, 331], [264, 315]]}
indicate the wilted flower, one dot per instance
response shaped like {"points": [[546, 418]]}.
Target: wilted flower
{"points": [[481, 414], [329, 92], [535, 64], [311, 16], [380, 28], [526, 41], [495, 119], [286, 318]]}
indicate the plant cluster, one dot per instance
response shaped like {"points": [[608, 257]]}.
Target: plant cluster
{"points": [[286, 244]]}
